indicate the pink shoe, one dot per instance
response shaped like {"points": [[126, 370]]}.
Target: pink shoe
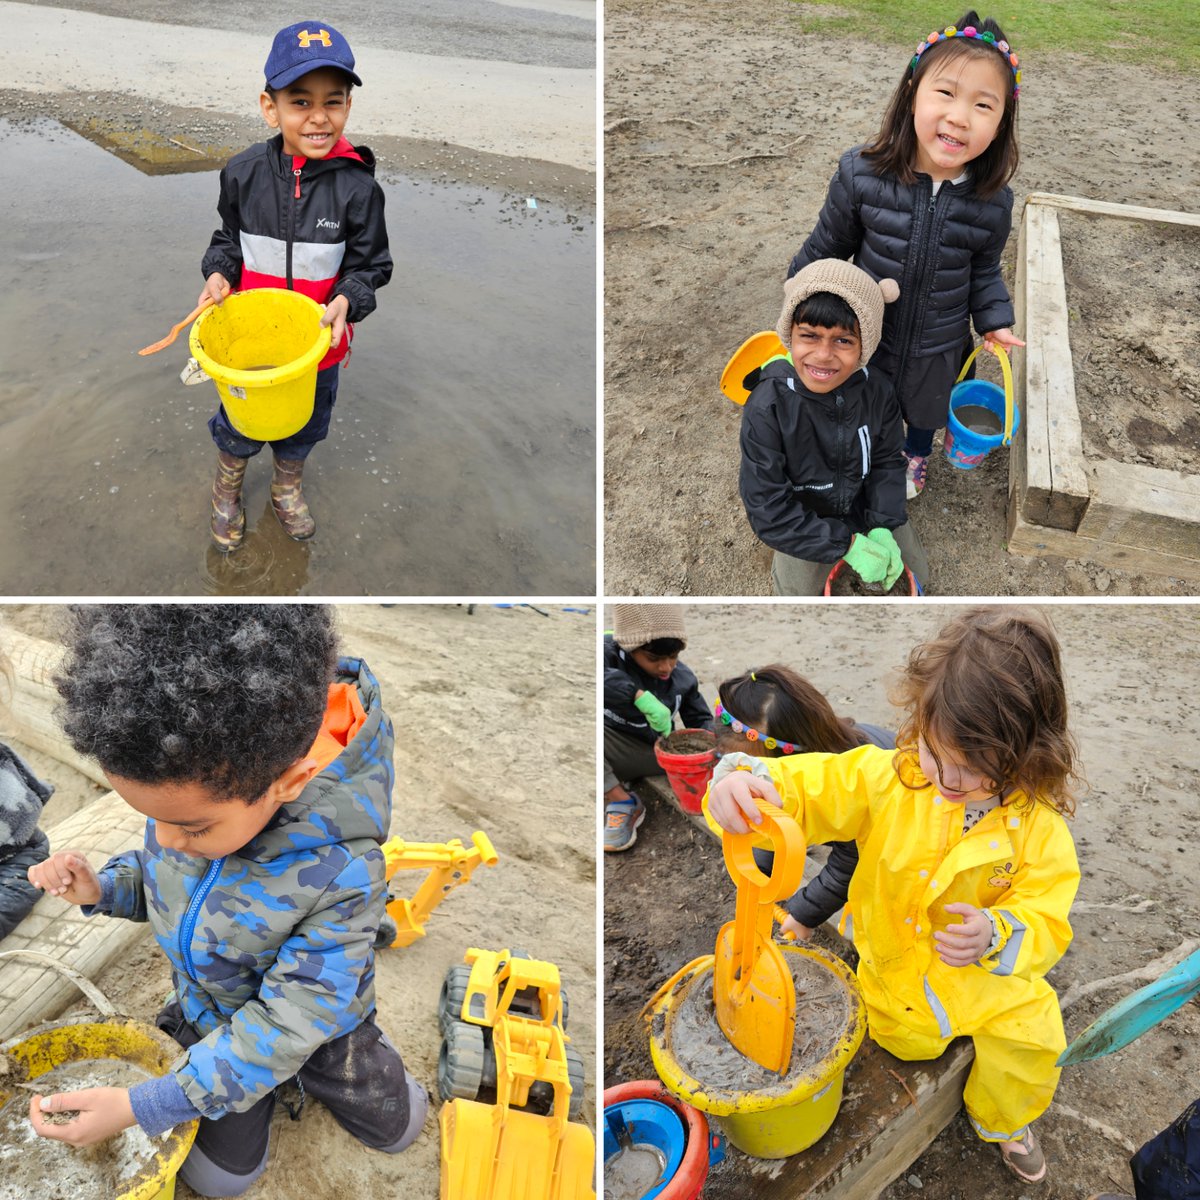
{"points": [[914, 474]]}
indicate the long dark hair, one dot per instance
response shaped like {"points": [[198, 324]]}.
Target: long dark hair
{"points": [[990, 686], [894, 148], [778, 702]]}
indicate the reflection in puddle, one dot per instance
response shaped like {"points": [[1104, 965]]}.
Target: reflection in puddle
{"points": [[462, 454]]}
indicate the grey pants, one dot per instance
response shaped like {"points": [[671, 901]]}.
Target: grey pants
{"points": [[797, 577], [359, 1077], [627, 757]]}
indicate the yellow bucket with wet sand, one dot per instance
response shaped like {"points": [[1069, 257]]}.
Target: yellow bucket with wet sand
{"points": [[45, 1047], [763, 1124], [30, 1055], [261, 349]]}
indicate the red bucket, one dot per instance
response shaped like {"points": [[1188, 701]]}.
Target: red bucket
{"points": [[914, 588], [703, 1149], [688, 773]]}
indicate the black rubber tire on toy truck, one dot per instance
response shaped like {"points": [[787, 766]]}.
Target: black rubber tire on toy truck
{"points": [[576, 1077], [461, 1062], [452, 995]]}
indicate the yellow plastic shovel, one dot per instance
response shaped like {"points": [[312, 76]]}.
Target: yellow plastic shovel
{"points": [[753, 352], [753, 990]]}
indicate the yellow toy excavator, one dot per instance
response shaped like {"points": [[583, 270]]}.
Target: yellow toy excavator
{"points": [[503, 1019], [450, 865]]}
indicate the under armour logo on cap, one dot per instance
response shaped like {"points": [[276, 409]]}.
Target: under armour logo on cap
{"points": [[306, 46]]}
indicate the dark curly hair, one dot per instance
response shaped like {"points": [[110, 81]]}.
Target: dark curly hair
{"points": [[225, 695]]}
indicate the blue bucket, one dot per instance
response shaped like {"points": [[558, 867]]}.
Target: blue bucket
{"points": [[651, 1124], [965, 448]]}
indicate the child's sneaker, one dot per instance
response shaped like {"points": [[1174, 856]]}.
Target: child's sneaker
{"points": [[914, 474], [1028, 1164], [621, 821]]}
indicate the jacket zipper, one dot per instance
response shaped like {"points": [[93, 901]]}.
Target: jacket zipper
{"points": [[923, 218], [292, 226], [188, 927]]}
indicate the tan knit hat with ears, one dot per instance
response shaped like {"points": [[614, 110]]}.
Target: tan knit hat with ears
{"points": [[636, 624], [854, 285]]}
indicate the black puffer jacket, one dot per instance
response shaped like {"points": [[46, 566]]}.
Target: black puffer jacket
{"points": [[818, 469], [944, 252], [623, 679]]}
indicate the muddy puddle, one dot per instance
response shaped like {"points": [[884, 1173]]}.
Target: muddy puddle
{"points": [[462, 454]]}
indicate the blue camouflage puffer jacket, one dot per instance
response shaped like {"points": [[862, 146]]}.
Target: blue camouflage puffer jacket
{"points": [[272, 947]]}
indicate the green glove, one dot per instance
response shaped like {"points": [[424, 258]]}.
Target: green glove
{"points": [[886, 539], [868, 558], [658, 715]]}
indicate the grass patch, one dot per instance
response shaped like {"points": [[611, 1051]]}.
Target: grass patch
{"points": [[1148, 31]]}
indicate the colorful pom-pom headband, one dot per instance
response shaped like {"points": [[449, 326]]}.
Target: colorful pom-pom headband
{"points": [[971, 32], [753, 734]]}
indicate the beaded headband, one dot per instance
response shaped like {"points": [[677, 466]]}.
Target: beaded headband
{"points": [[753, 734], [971, 32]]}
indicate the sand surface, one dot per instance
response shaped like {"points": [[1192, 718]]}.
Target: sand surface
{"points": [[1131, 673], [495, 720], [717, 161]]}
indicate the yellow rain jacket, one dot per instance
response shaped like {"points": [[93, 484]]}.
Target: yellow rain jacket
{"points": [[1018, 861]]}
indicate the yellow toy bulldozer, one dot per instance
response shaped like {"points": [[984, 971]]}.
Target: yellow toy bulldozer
{"points": [[503, 1019]]}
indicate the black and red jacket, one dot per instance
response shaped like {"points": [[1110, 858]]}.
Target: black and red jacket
{"points": [[310, 225]]}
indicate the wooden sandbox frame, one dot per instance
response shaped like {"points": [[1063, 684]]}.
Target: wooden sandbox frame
{"points": [[1115, 514]]}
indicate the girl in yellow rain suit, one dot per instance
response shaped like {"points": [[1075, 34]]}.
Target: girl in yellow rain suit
{"points": [[959, 905]]}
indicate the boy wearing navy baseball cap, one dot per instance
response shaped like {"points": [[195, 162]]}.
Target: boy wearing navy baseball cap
{"points": [[301, 211]]}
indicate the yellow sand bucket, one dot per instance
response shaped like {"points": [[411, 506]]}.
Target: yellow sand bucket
{"points": [[44, 1047], [761, 1124], [261, 349]]}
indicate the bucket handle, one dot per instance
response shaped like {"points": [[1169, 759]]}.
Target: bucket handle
{"points": [[1006, 371], [85, 985]]}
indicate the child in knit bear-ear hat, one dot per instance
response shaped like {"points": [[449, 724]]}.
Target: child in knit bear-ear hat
{"points": [[822, 472], [645, 688]]}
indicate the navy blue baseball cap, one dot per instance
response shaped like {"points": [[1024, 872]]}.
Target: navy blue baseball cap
{"points": [[304, 47]]}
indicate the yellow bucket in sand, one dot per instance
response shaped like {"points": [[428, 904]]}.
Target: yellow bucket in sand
{"points": [[30, 1055], [761, 1124], [261, 349], [45, 1047]]}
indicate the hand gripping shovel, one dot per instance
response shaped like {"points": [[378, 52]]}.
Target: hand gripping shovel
{"points": [[1130, 1018], [753, 989]]}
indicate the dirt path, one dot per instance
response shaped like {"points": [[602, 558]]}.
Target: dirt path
{"points": [[1131, 677], [494, 717], [723, 127]]}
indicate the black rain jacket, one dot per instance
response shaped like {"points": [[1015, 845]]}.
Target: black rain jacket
{"points": [[623, 679], [817, 469]]}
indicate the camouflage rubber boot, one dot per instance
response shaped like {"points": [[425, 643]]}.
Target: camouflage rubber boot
{"points": [[228, 516], [288, 500]]}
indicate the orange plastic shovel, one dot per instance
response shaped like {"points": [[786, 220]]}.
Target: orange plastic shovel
{"points": [[182, 324], [753, 352], [753, 990]]}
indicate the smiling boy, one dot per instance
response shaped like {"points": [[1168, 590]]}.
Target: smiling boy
{"points": [[303, 212], [263, 764], [822, 472]]}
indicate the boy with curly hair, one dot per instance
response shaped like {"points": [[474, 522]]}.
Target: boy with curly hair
{"points": [[263, 764]]}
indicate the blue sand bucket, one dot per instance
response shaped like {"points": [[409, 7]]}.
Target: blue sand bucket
{"points": [[650, 1125], [967, 448]]}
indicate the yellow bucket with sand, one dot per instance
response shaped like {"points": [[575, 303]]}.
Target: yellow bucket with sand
{"points": [[261, 349], [41, 1049], [764, 1124]]}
